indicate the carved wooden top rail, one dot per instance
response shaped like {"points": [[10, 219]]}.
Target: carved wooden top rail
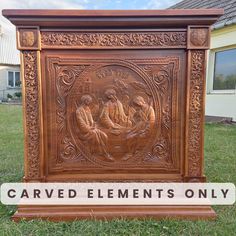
{"points": [[109, 18], [113, 29]]}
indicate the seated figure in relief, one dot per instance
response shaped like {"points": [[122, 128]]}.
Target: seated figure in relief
{"points": [[113, 116], [144, 122], [96, 139]]}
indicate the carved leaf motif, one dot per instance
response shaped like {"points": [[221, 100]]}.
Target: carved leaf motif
{"points": [[139, 39], [32, 115], [65, 79], [160, 77], [195, 112], [60, 113], [142, 87], [69, 150], [161, 80], [160, 148], [166, 114], [121, 86]]}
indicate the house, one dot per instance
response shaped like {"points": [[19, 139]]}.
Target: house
{"points": [[221, 69], [9, 64]]}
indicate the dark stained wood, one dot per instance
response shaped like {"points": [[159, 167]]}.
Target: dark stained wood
{"points": [[112, 13], [70, 213], [113, 96], [111, 18]]}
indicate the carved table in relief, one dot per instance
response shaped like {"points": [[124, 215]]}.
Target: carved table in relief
{"points": [[113, 96]]}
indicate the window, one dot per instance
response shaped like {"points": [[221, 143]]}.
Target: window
{"points": [[14, 79], [225, 70]]}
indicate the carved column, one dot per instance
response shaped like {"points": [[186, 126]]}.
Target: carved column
{"points": [[29, 43], [198, 42]]}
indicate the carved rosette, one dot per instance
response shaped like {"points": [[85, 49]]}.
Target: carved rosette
{"points": [[196, 116], [32, 110], [113, 40]]}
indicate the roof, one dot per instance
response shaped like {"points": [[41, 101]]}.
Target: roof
{"points": [[8, 52], [229, 6]]}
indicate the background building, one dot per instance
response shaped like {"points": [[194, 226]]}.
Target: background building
{"points": [[9, 64], [221, 69]]}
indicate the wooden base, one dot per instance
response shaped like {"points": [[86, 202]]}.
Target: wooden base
{"points": [[67, 213]]}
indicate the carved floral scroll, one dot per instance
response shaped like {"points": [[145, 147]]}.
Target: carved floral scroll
{"points": [[32, 114], [196, 116], [113, 40]]}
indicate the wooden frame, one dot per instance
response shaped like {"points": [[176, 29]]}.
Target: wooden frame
{"points": [[160, 53]]}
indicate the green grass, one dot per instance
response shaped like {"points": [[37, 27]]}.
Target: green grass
{"points": [[220, 166]]}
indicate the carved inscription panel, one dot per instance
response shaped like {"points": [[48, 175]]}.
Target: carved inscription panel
{"points": [[113, 113]]}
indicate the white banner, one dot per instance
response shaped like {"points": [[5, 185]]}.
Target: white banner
{"points": [[118, 193]]}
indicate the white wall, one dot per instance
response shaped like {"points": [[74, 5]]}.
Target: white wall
{"points": [[4, 89], [220, 103]]}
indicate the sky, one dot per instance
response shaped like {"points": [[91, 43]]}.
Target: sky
{"points": [[81, 4]]}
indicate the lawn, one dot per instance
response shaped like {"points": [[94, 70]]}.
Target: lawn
{"points": [[220, 166]]}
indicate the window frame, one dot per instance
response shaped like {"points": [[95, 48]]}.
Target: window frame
{"points": [[14, 79], [211, 72]]}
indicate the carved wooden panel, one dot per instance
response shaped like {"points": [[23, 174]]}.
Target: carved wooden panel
{"points": [[108, 113], [161, 39]]}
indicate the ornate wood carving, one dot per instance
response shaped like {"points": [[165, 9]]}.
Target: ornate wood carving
{"points": [[113, 86], [128, 108], [198, 37], [32, 116], [28, 38], [66, 77], [113, 40], [196, 114]]}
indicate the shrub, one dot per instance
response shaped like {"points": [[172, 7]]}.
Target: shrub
{"points": [[18, 94], [9, 95]]}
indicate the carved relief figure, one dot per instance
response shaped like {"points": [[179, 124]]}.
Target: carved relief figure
{"points": [[123, 112], [113, 116], [28, 38], [144, 119], [96, 139]]}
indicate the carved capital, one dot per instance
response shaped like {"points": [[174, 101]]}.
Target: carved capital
{"points": [[28, 38], [198, 37]]}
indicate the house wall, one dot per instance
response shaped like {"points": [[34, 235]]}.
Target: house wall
{"points": [[4, 89], [220, 103]]}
